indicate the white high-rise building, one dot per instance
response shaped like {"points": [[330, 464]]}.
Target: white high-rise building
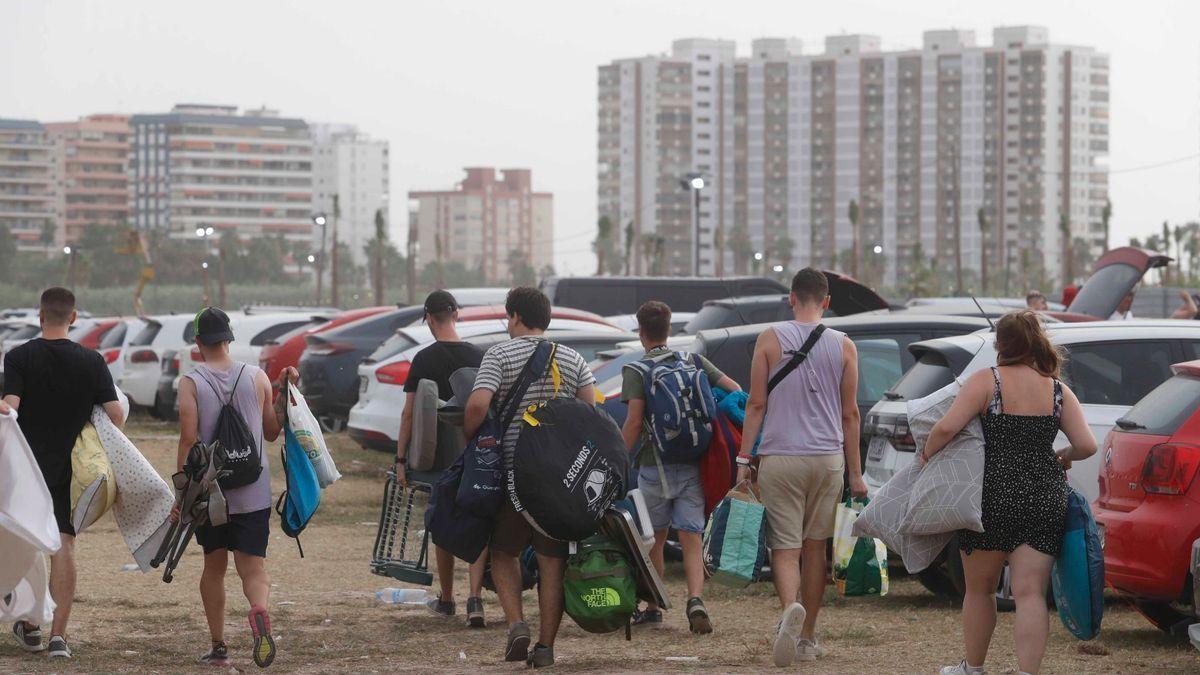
{"points": [[925, 142], [355, 167]]}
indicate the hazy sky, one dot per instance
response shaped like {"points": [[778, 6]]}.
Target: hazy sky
{"points": [[513, 84]]}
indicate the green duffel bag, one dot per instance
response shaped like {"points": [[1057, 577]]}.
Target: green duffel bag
{"points": [[599, 587]]}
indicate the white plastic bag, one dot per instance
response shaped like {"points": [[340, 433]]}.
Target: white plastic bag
{"points": [[308, 433], [859, 563]]}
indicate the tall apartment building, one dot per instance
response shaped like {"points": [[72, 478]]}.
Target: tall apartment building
{"points": [[27, 184], [206, 165], [353, 166], [923, 141], [483, 221], [91, 160]]}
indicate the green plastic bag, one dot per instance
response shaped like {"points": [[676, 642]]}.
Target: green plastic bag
{"points": [[599, 586], [859, 563]]}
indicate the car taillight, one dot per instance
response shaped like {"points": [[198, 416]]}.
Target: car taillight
{"points": [[110, 355], [143, 356], [195, 354], [1170, 468], [393, 373], [329, 348], [894, 428]]}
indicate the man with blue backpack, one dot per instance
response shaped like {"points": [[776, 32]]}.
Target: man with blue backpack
{"points": [[229, 403], [670, 400]]}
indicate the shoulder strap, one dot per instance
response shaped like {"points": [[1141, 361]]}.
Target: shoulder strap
{"points": [[1058, 399], [233, 391], [798, 357], [996, 406], [533, 369]]}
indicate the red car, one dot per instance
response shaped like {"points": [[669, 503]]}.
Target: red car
{"points": [[286, 350], [91, 337], [1149, 505]]}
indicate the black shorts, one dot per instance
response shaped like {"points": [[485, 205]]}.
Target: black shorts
{"points": [[61, 497], [245, 532]]}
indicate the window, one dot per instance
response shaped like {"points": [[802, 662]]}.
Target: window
{"points": [[1117, 373], [880, 364], [114, 337], [1166, 408]]}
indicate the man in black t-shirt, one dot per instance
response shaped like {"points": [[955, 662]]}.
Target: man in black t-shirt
{"points": [[53, 383], [437, 362]]}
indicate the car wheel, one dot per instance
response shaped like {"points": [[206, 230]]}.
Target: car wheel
{"points": [[936, 580], [1164, 616], [331, 425], [162, 410]]}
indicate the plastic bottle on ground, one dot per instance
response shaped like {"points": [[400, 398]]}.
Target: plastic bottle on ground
{"points": [[401, 596]]}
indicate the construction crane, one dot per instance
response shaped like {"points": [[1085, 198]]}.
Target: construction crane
{"points": [[135, 244]]}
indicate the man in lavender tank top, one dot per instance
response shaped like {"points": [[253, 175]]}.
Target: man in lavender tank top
{"points": [[809, 424], [202, 393]]}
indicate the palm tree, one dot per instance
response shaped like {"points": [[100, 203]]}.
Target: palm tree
{"points": [[47, 236], [1166, 247], [628, 246], [781, 250], [1178, 232], [983, 259], [1192, 246], [852, 213], [603, 243], [333, 258], [381, 239], [742, 247], [1105, 217], [1064, 231]]}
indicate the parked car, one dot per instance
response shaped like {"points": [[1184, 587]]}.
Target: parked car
{"points": [[250, 333], [618, 295], [1148, 510], [165, 398], [1113, 277], [375, 419], [846, 297], [629, 321], [285, 350], [146, 356], [1110, 366], [951, 301], [112, 345]]}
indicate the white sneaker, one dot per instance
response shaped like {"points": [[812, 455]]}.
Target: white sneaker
{"points": [[962, 669], [788, 638], [58, 647], [808, 650]]}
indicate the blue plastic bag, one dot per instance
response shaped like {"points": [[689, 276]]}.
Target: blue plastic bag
{"points": [[302, 495]]}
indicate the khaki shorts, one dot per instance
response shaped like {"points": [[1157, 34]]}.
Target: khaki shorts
{"points": [[801, 494]]}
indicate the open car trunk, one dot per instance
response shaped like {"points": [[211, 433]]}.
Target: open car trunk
{"points": [[847, 296], [1114, 276]]}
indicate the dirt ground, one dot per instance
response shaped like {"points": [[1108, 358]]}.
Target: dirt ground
{"points": [[326, 619]]}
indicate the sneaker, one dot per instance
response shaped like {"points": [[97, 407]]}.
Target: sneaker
{"points": [[541, 656], [438, 607], [808, 650], [697, 614], [264, 644], [652, 618], [788, 637], [30, 639], [217, 656], [962, 669], [58, 647], [517, 647], [475, 613]]}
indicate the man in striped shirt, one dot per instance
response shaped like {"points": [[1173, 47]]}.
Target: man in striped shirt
{"points": [[528, 312]]}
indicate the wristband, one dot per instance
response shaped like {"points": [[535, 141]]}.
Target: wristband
{"points": [[743, 460], [402, 460]]}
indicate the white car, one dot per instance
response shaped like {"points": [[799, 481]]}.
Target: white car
{"points": [[1110, 366], [375, 420], [143, 356], [250, 333], [113, 344]]}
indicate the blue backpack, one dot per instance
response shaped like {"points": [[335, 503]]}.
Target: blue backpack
{"points": [[302, 495], [1078, 575], [679, 405]]}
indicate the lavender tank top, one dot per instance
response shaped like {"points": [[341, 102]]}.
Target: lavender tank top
{"points": [[804, 413], [257, 495]]}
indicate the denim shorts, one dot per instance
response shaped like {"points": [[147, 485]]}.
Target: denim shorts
{"points": [[683, 507]]}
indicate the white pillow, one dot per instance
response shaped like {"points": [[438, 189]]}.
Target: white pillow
{"points": [[882, 517], [947, 494]]}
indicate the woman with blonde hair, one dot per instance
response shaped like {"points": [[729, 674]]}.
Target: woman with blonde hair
{"points": [[1022, 405]]}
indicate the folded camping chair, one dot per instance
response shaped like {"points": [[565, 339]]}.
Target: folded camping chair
{"points": [[401, 544], [200, 501]]}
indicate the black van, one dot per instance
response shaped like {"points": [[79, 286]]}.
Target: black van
{"points": [[607, 296]]}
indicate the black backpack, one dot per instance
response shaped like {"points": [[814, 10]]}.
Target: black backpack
{"points": [[233, 439]]}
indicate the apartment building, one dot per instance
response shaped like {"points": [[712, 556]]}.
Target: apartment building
{"points": [[208, 165], [953, 149], [27, 195], [354, 167], [485, 222], [91, 157]]}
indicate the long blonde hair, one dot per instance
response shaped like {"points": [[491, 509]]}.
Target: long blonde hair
{"points": [[1021, 340]]}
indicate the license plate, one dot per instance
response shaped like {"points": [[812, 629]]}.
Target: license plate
{"points": [[876, 449], [362, 384], [1100, 533]]}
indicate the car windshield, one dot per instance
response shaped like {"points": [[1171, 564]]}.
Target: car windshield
{"points": [[24, 333], [712, 316], [1163, 410], [931, 372], [1102, 292], [392, 346], [115, 337]]}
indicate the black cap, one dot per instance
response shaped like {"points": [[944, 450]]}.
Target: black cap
{"points": [[212, 326], [440, 301]]}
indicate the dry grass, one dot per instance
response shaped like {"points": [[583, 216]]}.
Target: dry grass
{"points": [[326, 619]]}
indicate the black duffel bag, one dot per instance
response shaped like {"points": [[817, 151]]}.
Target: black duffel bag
{"points": [[569, 465], [454, 529]]}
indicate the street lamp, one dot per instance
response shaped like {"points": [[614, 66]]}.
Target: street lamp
{"points": [[758, 256], [877, 249], [777, 269], [320, 220], [70, 252], [695, 182], [312, 258], [205, 233]]}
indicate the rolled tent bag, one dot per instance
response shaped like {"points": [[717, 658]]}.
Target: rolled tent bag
{"points": [[568, 466], [1078, 575]]}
